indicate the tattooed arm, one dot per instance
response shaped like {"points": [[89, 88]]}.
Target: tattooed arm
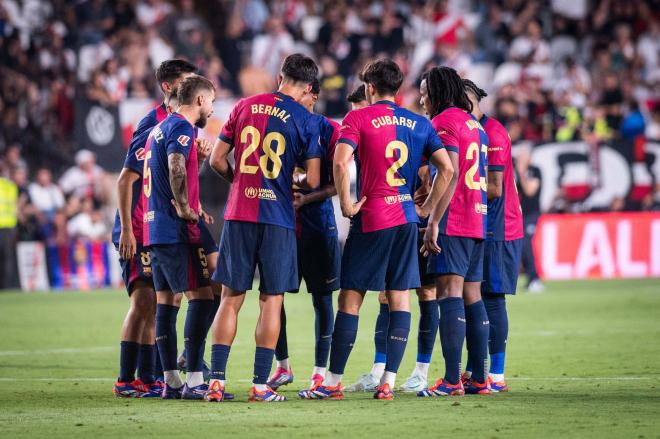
{"points": [[176, 163]]}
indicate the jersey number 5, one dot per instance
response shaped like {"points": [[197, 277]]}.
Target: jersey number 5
{"points": [[391, 175], [146, 175], [270, 155], [472, 153]]}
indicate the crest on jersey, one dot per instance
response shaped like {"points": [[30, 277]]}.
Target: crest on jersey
{"points": [[183, 140], [251, 192], [139, 154]]}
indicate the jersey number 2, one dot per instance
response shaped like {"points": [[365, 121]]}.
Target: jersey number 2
{"points": [[391, 175], [270, 155]]}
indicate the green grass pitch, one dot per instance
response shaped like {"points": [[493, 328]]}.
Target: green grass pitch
{"points": [[582, 361]]}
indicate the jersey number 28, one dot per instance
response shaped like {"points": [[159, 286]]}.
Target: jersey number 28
{"points": [[269, 155]]}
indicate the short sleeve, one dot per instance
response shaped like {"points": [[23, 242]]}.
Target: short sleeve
{"points": [[227, 132], [349, 132], [446, 130], [332, 129], [135, 154], [180, 139], [433, 143], [499, 145], [311, 140]]}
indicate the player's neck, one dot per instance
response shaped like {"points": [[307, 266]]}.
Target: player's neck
{"points": [[476, 112], [188, 113], [379, 98], [291, 90]]}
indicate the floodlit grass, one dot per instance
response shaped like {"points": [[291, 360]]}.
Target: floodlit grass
{"points": [[582, 361]]}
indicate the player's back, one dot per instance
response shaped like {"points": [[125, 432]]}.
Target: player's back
{"points": [[504, 213], [461, 133], [319, 217], [135, 162], [162, 225], [389, 142], [270, 133]]}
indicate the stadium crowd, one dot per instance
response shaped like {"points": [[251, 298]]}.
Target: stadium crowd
{"points": [[555, 71]]}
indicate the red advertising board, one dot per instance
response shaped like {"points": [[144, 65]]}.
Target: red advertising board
{"points": [[598, 245]]}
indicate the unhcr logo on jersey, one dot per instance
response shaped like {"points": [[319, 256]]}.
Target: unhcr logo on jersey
{"points": [[394, 199], [261, 193]]}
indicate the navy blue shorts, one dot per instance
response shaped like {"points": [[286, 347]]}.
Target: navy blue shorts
{"points": [[425, 277], [381, 260], [319, 259], [501, 266], [208, 243], [461, 256], [179, 267], [245, 246], [138, 268]]}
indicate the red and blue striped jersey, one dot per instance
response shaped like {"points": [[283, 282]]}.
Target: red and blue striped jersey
{"points": [[389, 143], [135, 162], [270, 133], [319, 218], [504, 213], [462, 133], [161, 224]]}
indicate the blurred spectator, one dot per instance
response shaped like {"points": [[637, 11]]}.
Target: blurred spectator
{"points": [[84, 179], [8, 221], [270, 48], [45, 195], [529, 189], [88, 224]]}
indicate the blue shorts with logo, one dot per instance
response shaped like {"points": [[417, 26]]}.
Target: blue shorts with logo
{"points": [[208, 243], [138, 268], [245, 246], [381, 260], [179, 267], [319, 259], [501, 266], [461, 256]]}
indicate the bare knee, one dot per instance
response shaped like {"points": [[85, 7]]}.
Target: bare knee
{"points": [[449, 285], [426, 293], [350, 301]]}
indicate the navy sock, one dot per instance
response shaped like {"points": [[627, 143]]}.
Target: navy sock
{"points": [[128, 360], [324, 324], [158, 367], [166, 335], [194, 332], [397, 339], [380, 333], [146, 363], [428, 322], [263, 360], [219, 356], [343, 338], [499, 330], [452, 334], [476, 333], [282, 346]]}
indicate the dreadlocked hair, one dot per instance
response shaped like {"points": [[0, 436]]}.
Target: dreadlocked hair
{"points": [[445, 89]]}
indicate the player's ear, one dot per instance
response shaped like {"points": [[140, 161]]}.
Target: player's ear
{"points": [[166, 87], [279, 79]]}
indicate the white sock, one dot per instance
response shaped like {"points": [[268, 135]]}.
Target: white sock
{"points": [[284, 364], [222, 383], [194, 379], [468, 374], [172, 378], [497, 377], [319, 371], [332, 379], [422, 369], [388, 378], [378, 370], [260, 387]]}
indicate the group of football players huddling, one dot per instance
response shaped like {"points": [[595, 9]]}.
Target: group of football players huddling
{"points": [[436, 210]]}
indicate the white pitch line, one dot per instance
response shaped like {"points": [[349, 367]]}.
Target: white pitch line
{"points": [[58, 351]]}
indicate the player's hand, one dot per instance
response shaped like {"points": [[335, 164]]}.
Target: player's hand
{"points": [[430, 246], [204, 148], [127, 245], [352, 210], [186, 213], [298, 200], [423, 211], [208, 219]]}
